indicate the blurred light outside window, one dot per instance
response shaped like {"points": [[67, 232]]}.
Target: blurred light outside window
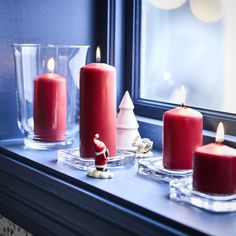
{"points": [[189, 43]]}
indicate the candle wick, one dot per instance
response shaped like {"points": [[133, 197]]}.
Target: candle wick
{"points": [[98, 59], [182, 104]]}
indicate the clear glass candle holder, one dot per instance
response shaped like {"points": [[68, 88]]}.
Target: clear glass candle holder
{"points": [[48, 93]]}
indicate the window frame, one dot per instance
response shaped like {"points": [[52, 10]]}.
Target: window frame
{"points": [[155, 109]]}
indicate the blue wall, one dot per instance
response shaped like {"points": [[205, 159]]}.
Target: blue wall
{"points": [[39, 21]]}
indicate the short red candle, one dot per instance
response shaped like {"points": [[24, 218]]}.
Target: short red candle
{"points": [[182, 134], [50, 104], [214, 169], [97, 107]]}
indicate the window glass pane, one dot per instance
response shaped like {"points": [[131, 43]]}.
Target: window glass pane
{"points": [[190, 43]]}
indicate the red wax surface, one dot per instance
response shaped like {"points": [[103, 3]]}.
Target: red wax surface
{"points": [[182, 134], [50, 104], [97, 107], [214, 169]]}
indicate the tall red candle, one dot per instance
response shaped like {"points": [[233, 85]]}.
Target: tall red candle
{"points": [[214, 169], [97, 107], [50, 104], [182, 134]]}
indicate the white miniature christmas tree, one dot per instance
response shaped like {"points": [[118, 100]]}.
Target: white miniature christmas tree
{"points": [[127, 125]]}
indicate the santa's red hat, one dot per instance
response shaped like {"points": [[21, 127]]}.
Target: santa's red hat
{"points": [[98, 145]]}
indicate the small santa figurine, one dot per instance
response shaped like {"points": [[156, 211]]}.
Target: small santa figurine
{"points": [[101, 154], [101, 157]]}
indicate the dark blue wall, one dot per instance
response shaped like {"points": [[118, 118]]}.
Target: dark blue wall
{"points": [[39, 21]]}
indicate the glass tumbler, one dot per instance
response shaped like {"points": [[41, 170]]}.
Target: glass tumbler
{"points": [[47, 79]]}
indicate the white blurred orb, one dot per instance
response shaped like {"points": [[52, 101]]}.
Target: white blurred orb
{"points": [[167, 4], [208, 11], [166, 76]]}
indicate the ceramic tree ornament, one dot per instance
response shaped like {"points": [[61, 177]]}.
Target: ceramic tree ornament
{"points": [[127, 125], [101, 157]]}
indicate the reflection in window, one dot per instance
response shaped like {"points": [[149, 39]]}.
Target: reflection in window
{"points": [[190, 43]]}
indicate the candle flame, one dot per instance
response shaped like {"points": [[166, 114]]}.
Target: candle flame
{"points": [[98, 54], [182, 96], [220, 133], [51, 65]]}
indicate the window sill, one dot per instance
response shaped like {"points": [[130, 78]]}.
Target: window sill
{"points": [[44, 197]]}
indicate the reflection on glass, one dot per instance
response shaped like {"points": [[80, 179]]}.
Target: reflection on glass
{"points": [[192, 45]]}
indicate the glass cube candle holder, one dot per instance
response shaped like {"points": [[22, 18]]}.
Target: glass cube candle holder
{"points": [[47, 79], [153, 168], [71, 157], [181, 190]]}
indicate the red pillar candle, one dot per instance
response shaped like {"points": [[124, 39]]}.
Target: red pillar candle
{"points": [[97, 107], [50, 104], [182, 134], [214, 168]]}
